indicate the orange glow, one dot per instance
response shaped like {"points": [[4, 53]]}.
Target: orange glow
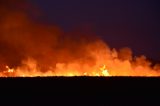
{"points": [[106, 64]]}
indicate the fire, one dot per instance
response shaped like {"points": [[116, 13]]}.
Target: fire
{"points": [[31, 49], [104, 71], [9, 70], [21, 73]]}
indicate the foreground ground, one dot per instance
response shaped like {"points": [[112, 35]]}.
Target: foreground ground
{"points": [[80, 91]]}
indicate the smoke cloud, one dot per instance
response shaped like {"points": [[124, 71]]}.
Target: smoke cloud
{"points": [[22, 38]]}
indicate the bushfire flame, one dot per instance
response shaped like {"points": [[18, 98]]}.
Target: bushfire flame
{"points": [[30, 49]]}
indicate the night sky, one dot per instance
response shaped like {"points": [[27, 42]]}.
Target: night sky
{"points": [[120, 23]]}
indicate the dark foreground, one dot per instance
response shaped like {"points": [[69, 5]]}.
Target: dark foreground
{"points": [[80, 91]]}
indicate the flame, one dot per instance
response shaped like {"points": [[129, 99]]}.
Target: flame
{"points": [[113, 67], [21, 73], [104, 71], [31, 49]]}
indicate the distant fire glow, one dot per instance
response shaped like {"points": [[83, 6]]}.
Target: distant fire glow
{"points": [[31, 49]]}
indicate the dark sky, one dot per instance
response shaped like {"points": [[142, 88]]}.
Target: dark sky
{"points": [[132, 23]]}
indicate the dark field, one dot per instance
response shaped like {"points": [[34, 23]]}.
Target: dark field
{"points": [[80, 91]]}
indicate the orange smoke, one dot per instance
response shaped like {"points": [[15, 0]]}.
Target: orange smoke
{"points": [[29, 49]]}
